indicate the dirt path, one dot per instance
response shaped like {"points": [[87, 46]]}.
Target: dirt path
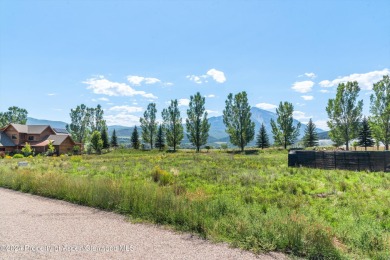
{"points": [[32, 227]]}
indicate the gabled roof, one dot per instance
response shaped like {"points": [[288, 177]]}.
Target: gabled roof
{"points": [[58, 139], [29, 129], [5, 140]]}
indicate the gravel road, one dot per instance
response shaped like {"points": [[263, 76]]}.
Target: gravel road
{"points": [[33, 227]]}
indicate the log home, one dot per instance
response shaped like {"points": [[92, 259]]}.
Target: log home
{"points": [[13, 137]]}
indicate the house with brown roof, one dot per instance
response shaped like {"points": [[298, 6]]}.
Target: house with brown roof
{"points": [[14, 137]]}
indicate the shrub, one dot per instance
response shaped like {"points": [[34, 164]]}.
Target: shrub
{"points": [[161, 176], [26, 150], [76, 149], [18, 156], [2, 155]]}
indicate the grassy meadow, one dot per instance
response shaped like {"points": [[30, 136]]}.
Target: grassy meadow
{"points": [[252, 201]]}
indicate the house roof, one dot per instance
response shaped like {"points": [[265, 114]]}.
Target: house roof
{"points": [[5, 140], [60, 131], [30, 129], [58, 139]]}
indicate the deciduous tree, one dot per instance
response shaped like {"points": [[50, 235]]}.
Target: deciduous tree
{"points": [[149, 125], [80, 122], [237, 119], [97, 142], [380, 110], [14, 115], [173, 124], [283, 130], [197, 123], [345, 113]]}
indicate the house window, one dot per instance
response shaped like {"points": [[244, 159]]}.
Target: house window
{"points": [[31, 138], [14, 137]]}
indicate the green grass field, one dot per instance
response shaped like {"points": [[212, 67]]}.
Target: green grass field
{"points": [[252, 201]]}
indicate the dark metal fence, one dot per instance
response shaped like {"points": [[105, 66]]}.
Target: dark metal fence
{"points": [[343, 160]]}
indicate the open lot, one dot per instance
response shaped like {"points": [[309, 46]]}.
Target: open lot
{"points": [[252, 201]]}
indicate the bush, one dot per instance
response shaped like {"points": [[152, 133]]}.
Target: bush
{"points": [[2, 155], [26, 150], [76, 149], [18, 156], [161, 176]]}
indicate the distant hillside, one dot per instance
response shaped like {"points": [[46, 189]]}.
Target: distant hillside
{"points": [[54, 124], [323, 135], [217, 132]]}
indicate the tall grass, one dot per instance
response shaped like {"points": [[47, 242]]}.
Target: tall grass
{"points": [[254, 202]]}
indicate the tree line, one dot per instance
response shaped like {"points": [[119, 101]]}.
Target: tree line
{"points": [[345, 122], [236, 117]]}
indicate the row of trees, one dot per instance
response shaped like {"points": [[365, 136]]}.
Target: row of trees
{"points": [[345, 113], [236, 117]]}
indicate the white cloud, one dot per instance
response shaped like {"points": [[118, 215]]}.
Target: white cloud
{"points": [[303, 86], [217, 75], [195, 79], [299, 115], [266, 106], [51, 94], [212, 112], [183, 102], [103, 99], [210, 96], [122, 119], [324, 91], [321, 124], [127, 109], [137, 80], [365, 80], [310, 75], [307, 97], [101, 85]]}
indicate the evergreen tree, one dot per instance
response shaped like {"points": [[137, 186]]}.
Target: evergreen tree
{"points": [[104, 134], [149, 125], [172, 124], [197, 123], [135, 138], [114, 139], [345, 113], [365, 137], [262, 138], [237, 119], [160, 140], [311, 137], [283, 130]]}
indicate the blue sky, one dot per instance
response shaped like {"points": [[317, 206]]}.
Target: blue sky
{"points": [[55, 55]]}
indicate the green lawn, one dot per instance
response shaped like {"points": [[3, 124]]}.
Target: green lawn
{"points": [[252, 201]]}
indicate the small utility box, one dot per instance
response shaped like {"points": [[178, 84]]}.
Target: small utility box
{"points": [[22, 164]]}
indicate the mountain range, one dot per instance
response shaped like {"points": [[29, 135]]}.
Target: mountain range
{"points": [[217, 132]]}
